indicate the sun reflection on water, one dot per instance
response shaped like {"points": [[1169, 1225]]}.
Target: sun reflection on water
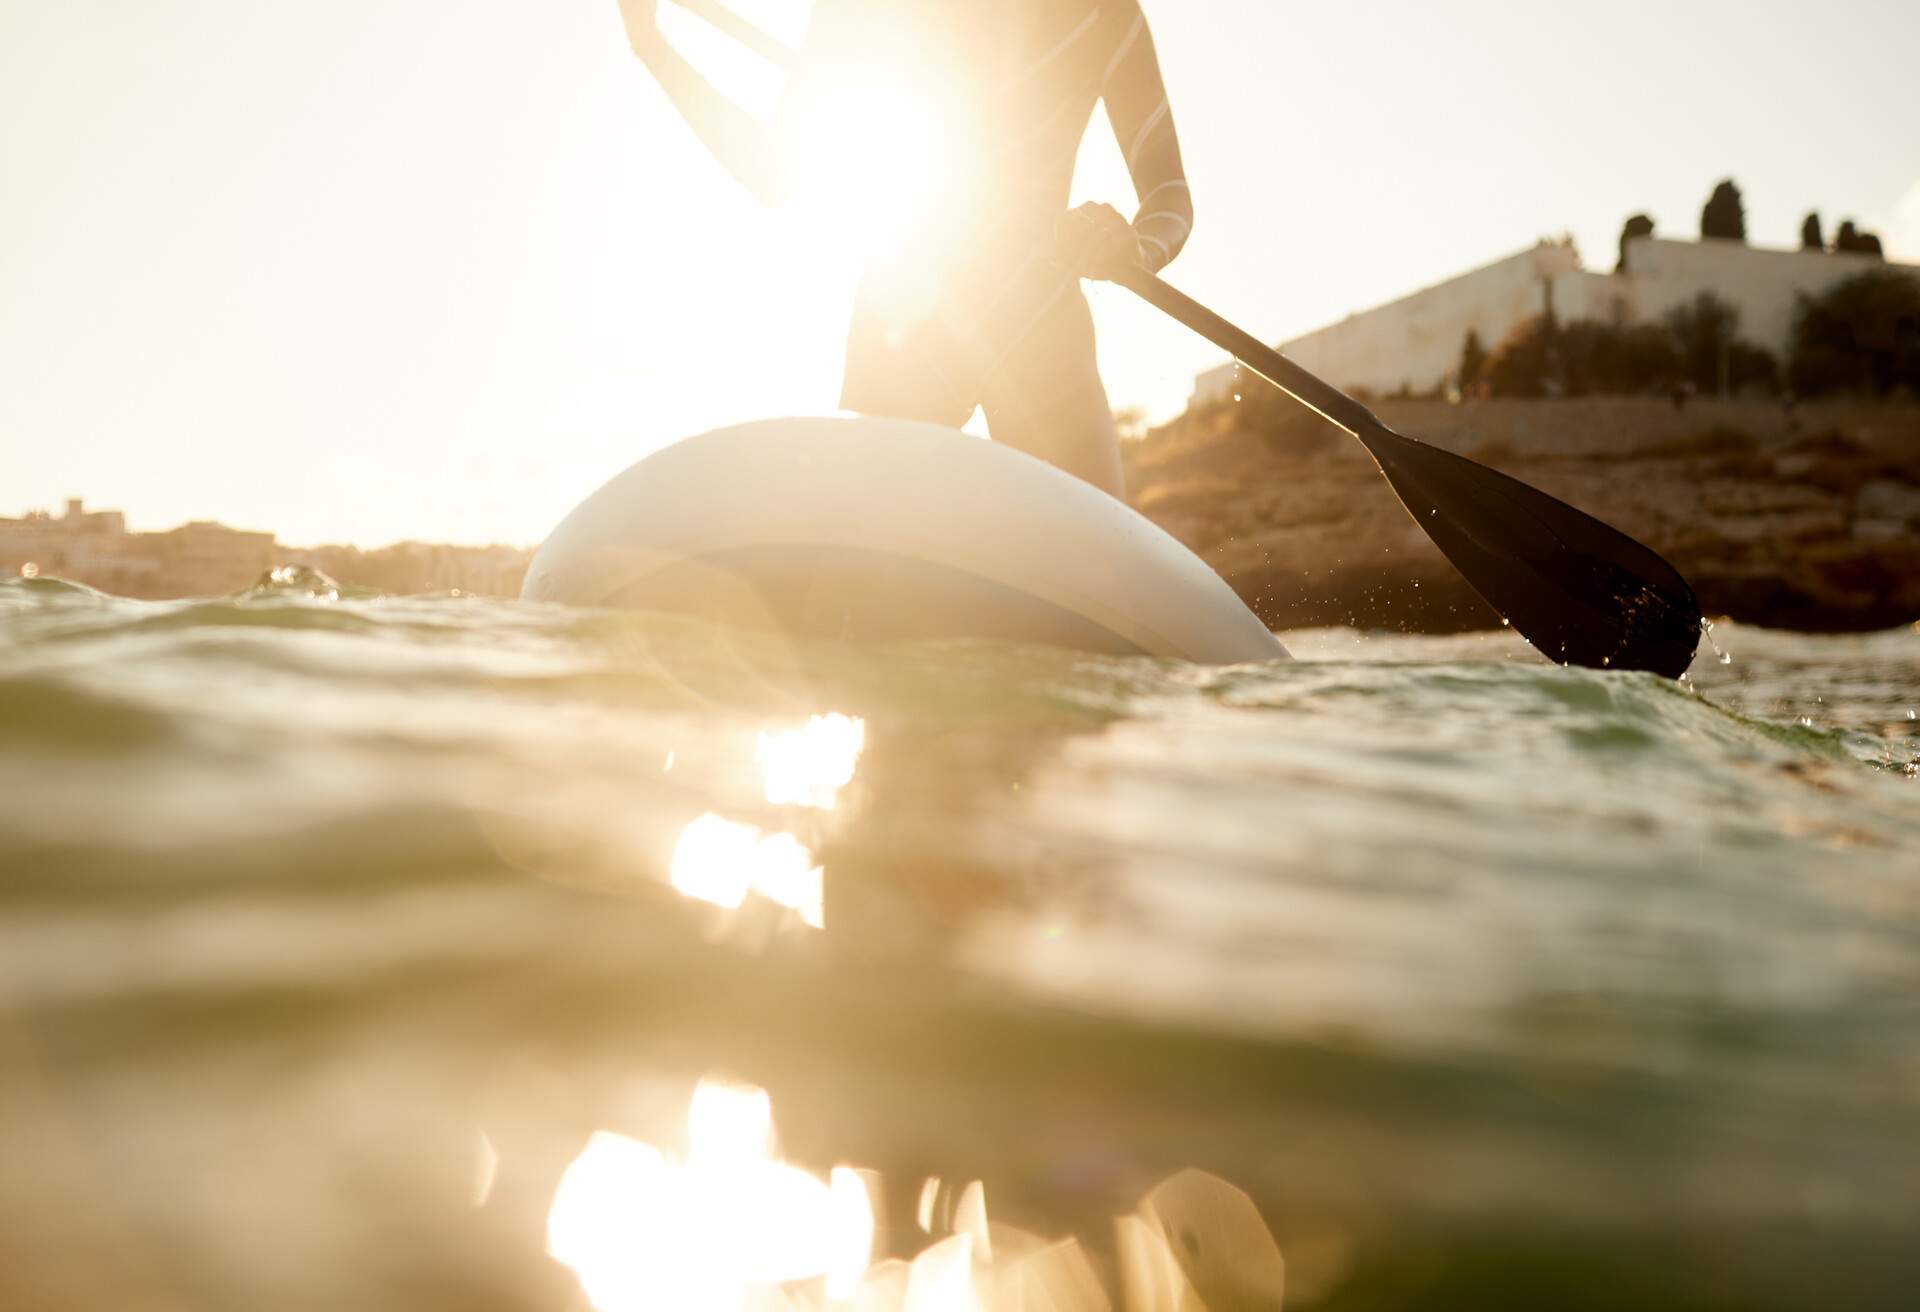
{"points": [[720, 861], [809, 765], [721, 1230], [730, 1228]]}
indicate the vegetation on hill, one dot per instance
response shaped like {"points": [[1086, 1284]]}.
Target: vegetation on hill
{"points": [[1724, 216], [1861, 337], [1697, 346]]}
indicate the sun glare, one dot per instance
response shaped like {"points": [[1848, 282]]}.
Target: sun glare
{"points": [[809, 765], [720, 861], [868, 158], [643, 1231], [728, 1227]]}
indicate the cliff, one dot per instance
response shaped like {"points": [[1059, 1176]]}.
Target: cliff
{"points": [[1803, 519]]}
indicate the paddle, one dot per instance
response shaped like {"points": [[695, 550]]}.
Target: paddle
{"points": [[725, 20], [1582, 592]]}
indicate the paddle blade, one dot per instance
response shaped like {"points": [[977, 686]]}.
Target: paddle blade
{"points": [[1580, 591]]}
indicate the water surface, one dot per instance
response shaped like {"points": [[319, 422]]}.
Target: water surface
{"points": [[330, 928]]}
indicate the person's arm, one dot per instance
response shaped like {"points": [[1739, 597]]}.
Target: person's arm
{"points": [[1137, 107], [748, 148]]}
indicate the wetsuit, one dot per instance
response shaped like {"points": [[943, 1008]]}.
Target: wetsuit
{"points": [[972, 311]]}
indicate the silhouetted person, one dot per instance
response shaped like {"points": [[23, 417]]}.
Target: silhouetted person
{"points": [[982, 304]]}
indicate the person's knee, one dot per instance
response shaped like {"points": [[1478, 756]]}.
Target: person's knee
{"points": [[1085, 444]]}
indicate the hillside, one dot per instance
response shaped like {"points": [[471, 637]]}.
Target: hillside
{"points": [[1805, 520]]}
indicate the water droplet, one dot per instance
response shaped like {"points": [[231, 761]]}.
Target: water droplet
{"points": [[1706, 631]]}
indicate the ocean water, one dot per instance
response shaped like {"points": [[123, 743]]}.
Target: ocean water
{"points": [[333, 929]]}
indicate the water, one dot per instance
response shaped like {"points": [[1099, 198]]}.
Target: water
{"points": [[332, 927]]}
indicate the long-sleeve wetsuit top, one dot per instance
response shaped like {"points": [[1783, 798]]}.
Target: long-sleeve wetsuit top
{"points": [[1015, 83]]}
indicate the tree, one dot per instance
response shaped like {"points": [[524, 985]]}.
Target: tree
{"points": [[1856, 241], [1724, 215], [1602, 358], [1712, 356], [1640, 225], [1521, 365], [1860, 335], [1811, 238], [1473, 361], [1704, 329]]}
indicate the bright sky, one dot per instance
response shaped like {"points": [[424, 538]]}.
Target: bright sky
{"points": [[364, 270]]}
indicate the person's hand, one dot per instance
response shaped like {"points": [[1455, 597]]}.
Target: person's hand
{"points": [[643, 26], [1095, 242]]}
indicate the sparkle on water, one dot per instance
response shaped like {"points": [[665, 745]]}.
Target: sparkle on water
{"points": [[704, 1233], [728, 1227], [809, 765]]}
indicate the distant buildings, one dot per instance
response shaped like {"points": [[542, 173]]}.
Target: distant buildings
{"points": [[207, 559], [1414, 343]]}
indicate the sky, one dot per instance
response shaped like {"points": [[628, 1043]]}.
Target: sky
{"points": [[371, 270]]}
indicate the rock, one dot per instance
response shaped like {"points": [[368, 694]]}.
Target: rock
{"points": [[1886, 499]]}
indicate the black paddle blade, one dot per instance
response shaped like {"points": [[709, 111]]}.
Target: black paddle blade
{"points": [[1580, 591]]}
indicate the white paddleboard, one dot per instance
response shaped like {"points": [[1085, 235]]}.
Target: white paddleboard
{"points": [[882, 529]]}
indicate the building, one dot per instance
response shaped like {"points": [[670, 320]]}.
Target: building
{"points": [[94, 547], [1414, 343], [205, 559]]}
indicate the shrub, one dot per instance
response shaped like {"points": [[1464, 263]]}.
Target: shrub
{"points": [[1582, 358], [1601, 358], [1713, 357], [1523, 364], [1862, 335]]}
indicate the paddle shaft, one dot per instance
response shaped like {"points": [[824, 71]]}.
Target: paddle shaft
{"points": [[723, 19], [1324, 398]]}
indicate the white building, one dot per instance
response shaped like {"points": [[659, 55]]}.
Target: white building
{"points": [[1415, 342]]}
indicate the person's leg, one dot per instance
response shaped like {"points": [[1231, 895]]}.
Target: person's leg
{"points": [[904, 372], [1046, 397]]}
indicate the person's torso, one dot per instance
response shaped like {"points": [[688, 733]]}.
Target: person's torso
{"points": [[1007, 88]]}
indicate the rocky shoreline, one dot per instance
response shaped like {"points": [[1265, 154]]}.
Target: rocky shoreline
{"points": [[1804, 518]]}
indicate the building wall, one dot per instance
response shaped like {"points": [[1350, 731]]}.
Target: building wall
{"points": [[1414, 343], [1765, 284]]}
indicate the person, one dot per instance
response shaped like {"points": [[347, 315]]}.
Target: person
{"points": [[981, 305]]}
